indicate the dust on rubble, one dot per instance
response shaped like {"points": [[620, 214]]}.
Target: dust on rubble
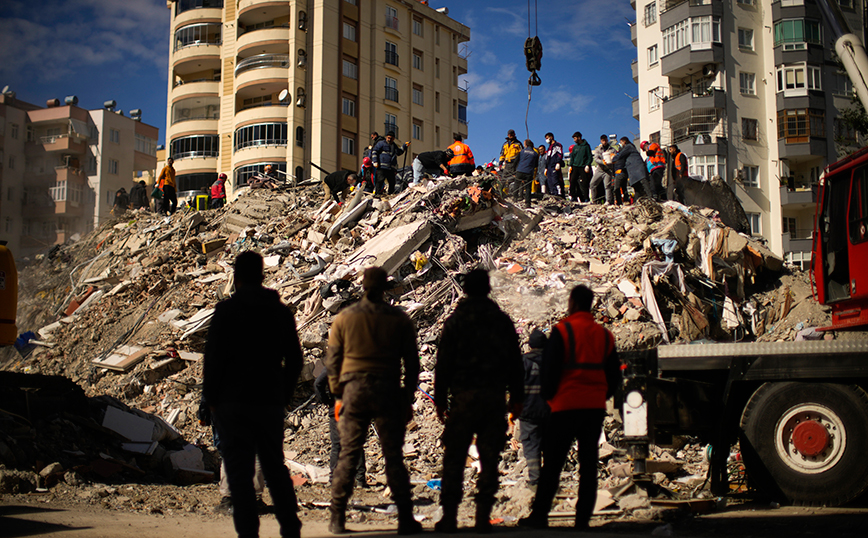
{"points": [[123, 313]]}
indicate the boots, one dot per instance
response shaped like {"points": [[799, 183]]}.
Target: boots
{"points": [[407, 524], [483, 519], [448, 524], [337, 525]]}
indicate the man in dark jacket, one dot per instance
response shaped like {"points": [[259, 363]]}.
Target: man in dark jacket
{"points": [[528, 160], [554, 163], [579, 371], [339, 183], [637, 171], [478, 361], [325, 397], [373, 367], [536, 410], [139, 196], [122, 203], [247, 384], [580, 169], [384, 155], [431, 163]]}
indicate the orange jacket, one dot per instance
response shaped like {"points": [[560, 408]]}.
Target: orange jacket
{"points": [[462, 153], [167, 177], [583, 382]]}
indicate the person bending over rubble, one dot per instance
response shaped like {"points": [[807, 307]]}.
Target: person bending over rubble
{"points": [[339, 183], [325, 397], [370, 343], [478, 361], [247, 384], [580, 370]]}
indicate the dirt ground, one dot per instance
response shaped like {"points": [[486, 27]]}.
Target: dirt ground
{"points": [[37, 515]]}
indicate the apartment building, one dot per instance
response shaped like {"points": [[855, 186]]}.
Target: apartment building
{"points": [[300, 85], [751, 91], [61, 165]]}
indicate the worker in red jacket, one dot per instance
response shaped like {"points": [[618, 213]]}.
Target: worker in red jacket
{"points": [[580, 370], [218, 192]]}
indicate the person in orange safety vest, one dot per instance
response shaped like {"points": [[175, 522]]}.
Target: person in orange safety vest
{"points": [[462, 161], [580, 370]]}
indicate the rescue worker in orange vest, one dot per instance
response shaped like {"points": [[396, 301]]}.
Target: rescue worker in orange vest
{"points": [[579, 372], [462, 161], [676, 169]]}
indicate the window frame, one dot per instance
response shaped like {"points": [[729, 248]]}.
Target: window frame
{"points": [[750, 176], [750, 78], [653, 55], [747, 130], [348, 145], [350, 69], [650, 14], [349, 29], [746, 44], [348, 104]]}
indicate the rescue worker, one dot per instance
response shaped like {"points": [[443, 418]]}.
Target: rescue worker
{"points": [[433, 163], [508, 160], [247, 399], [554, 162], [580, 370], [528, 160], [536, 410], [139, 196], [478, 361], [218, 192], [656, 165], [462, 162], [384, 156], [580, 169], [604, 175], [122, 203], [339, 183], [325, 397], [676, 169], [167, 184], [541, 168], [636, 170], [368, 174], [370, 344]]}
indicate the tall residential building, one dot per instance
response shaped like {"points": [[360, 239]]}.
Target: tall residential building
{"points": [[60, 167], [301, 85], [750, 90]]}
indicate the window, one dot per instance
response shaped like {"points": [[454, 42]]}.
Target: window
{"points": [[349, 107], [146, 145], [798, 125], [12, 162], [704, 31], [843, 85], [745, 39], [650, 14], [353, 2], [654, 99], [844, 132], [187, 147], [193, 108], [417, 95], [795, 80], [858, 217], [846, 4], [253, 102], [115, 136], [436, 101], [391, 89], [195, 35], [113, 166], [652, 55], [349, 31], [437, 67], [351, 70], [299, 137], [789, 226], [437, 135], [243, 174], [707, 166], [417, 60], [675, 37], [747, 83], [348, 145], [750, 176], [261, 134], [795, 34], [391, 18], [391, 53], [28, 135], [13, 131], [755, 223], [417, 129], [436, 35], [417, 27], [391, 124], [749, 128], [91, 164], [462, 113], [745, 2]]}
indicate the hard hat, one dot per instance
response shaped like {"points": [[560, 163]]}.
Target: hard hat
{"points": [[366, 161], [654, 146], [221, 176], [571, 147], [267, 167], [643, 144]]}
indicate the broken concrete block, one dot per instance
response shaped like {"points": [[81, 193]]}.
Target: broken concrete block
{"points": [[51, 469], [634, 502], [316, 237], [130, 426], [123, 358], [598, 268], [188, 458], [392, 247], [678, 229], [632, 314], [195, 219], [215, 244]]}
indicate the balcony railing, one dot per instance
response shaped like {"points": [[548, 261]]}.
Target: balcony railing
{"points": [[391, 94], [201, 154], [242, 31], [392, 22], [666, 5], [390, 127], [215, 78], [261, 61], [392, 57]]}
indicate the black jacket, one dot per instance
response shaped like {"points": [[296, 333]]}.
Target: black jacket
{"points": [[337, 183], [253, 355], [139, 196], [321, 389], [536, 409]]}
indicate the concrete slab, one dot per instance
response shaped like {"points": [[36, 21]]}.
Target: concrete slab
{"points": [[392, 247]]}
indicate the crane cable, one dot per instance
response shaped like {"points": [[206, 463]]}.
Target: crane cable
{"points": [[533, 55]]}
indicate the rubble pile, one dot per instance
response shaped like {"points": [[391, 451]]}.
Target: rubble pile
{"points": [[124, 313]]}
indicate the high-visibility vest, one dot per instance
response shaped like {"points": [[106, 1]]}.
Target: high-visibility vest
{"points": [[462, 154], [583, 382]]}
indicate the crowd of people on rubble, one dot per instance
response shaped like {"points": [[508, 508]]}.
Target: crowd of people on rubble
{"points": [[482, 383]]}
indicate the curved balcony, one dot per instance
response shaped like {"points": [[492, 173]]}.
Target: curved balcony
{"points": [[196, 146], [195, 88], [264, 81], [197, 35], [196, 109], [193, 165], [196, 59], [197, 15], [260, 153], [245, 6], [262, 62], [259, 114], [268, 38]]}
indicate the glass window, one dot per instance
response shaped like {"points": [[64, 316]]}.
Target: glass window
{"points": [[196, 108], [794, 34], [113, 166], [654, 99], [798, 125], [187, 147], [417, 96], [650, 14], [349, 107], [348, 145], [391, 18], [707, 166], [652, 55], [745, 38], [13, 131], [391, 124], [747, 83], [843, 85], [749, 128], [417, 27], [261, 134], [299, 136], [417, 130], [353, 2], [243, 174], [417, 60], [185, 5], [115, 136], [755, 223], [146, 145], [349, 32], [798, 77], [194, 35], [705, 29], [436, 67], [750, 176], [858, 218], [462, 113], [676, 37], [351, 70], [391, 89], [391, 53]]}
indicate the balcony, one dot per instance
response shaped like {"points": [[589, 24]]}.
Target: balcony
{"points": [[798, 196], [75, 143], [391, 58], [196, 35], [188, 11], [71, 174], [392, 23], [393, 127], [391, 94], [679, 104], [636, 108], [634, 67], [691, 59], [801, 147], [264, 37], [673, 11], [196, 59], [633, 32], [791, 244], [263, 61]]}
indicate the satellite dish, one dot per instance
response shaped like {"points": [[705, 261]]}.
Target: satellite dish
{"points": [[5, 89], [283, 95]]}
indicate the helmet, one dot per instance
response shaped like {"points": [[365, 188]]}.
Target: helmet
{"points": [[654, 146], [449, 153], [221, 176], [571, 148], [268, 168], [643, 144], [366, 161]]}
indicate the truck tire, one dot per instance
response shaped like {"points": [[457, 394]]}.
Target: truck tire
{"points": [[807, 442]]}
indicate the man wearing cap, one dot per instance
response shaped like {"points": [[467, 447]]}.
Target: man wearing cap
{"points": [[508, 160], [384, 156], [339, 183], [536, 410], [373, 368], [580, 169], [218, 192], [432, 163]]}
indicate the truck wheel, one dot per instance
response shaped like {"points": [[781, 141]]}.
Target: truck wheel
{"points": [[807, 441]]}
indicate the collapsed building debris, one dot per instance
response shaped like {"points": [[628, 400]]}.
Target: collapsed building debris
{"points": [[124, 315]]}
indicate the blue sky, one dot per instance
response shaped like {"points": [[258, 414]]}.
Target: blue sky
{"points": [[118, 49]]}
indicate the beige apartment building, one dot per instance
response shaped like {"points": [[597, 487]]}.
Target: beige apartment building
{"points": [[294, 83], [61, 165], [749, 90]]}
